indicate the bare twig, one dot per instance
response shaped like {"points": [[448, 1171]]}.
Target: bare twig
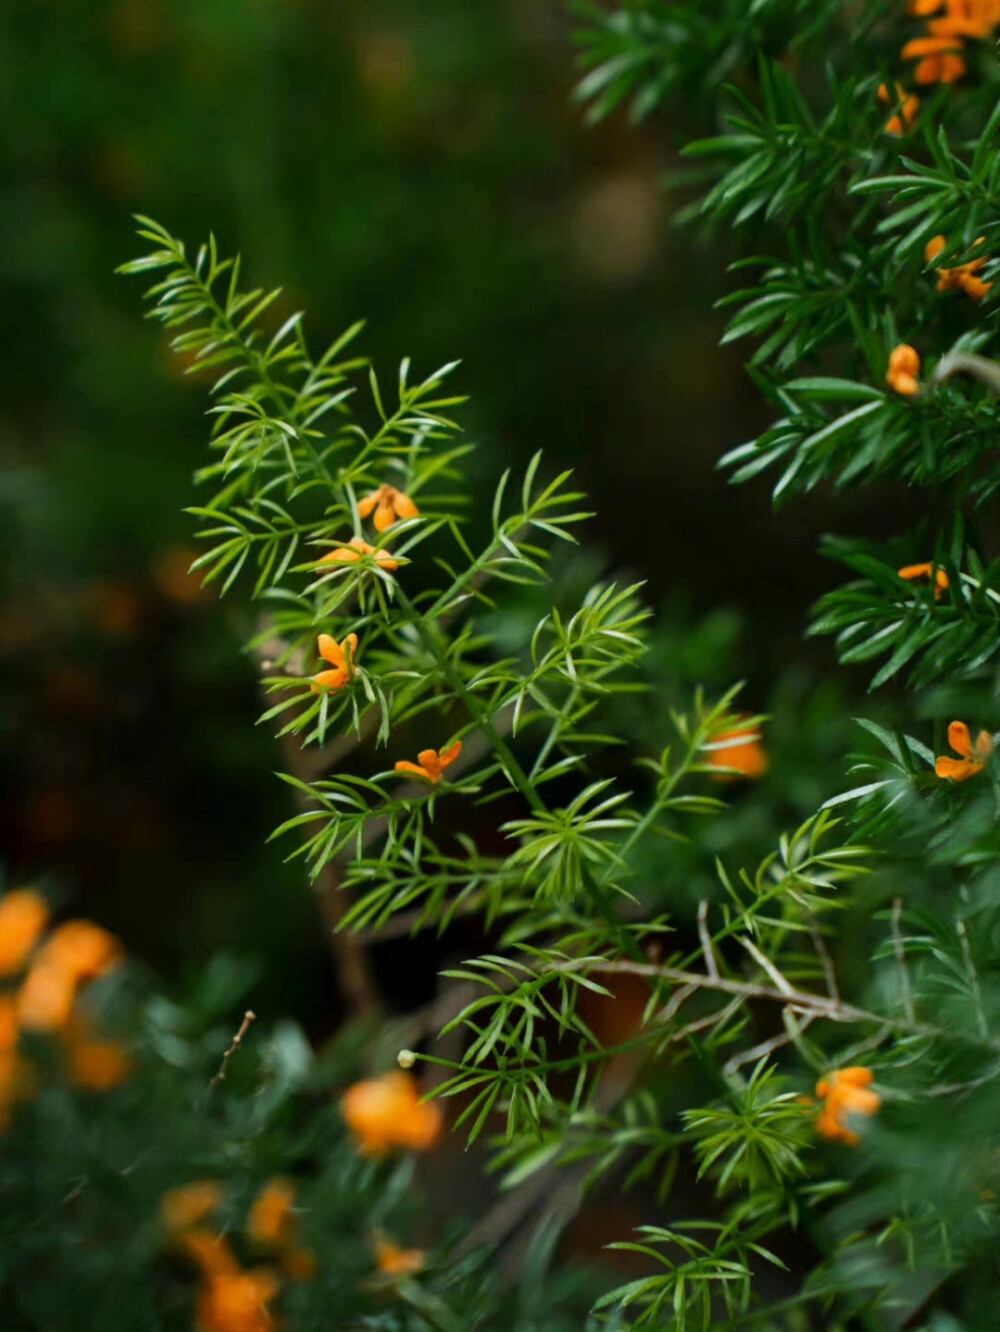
{"points": [[767, 1047], [980, 367], [706, 939], [829, 971], [249, 1017], [799, 1001], [765, 963]]}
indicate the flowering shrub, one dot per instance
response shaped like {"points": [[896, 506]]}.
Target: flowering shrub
{"points": [[794, 1067]]}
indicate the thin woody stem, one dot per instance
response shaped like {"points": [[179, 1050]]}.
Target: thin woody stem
{"points": [[249, 1017]]}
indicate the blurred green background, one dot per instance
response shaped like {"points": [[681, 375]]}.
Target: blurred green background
{"points": [[418, 163]]}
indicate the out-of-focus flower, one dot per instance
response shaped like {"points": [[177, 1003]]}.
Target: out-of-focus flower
{"points": [[237, 1302], [45, 1001], [23, 918], [74, 954], [902, 120], [387, 1112], [911, 571], [189, 1204], [939, 59], [341, 657], [973, 760], [430, 764], [966, 18], [270, 1220], [845, 1092], [388, 504], [356, 549], [99, 1065], [173, 575], [394, 1261], [740, 749], [904, 370], [209, 1252], [81, 949]]}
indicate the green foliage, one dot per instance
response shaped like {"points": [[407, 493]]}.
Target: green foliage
{"points": [[653, 1003], [566, 925]]}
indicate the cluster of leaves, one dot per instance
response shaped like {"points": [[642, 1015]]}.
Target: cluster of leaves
{"points": [[839, 211]]}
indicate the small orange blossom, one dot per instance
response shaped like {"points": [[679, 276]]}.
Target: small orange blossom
{"points": [[270, 1220], [966, 18], [188, 1204], [845, 1091], [972, 762], [938, 59], [397, 1262], [911, 571], [357, 549], [741, 749], [341, 657], [430, 764], [905, 117], [388, 504], [387, 1112], [23, 918], [237, 1302], [904, 369], [963, 276]]}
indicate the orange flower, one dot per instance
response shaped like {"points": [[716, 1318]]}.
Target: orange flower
{"points": [[82, 950], [23, 917], [237, 1302], [74, 954], [963, 276], [13, 1070], [387, 1112], [430, 764], [341, 658], [911, 571], [397, 1262], [845, 1091], [46, 1000], [209, 1252], [938, 59], [740, 749], [270, 1220], [972, 762], [99, 1065], [966, 18], [922, 7], [905, 117], [188, 1204], [904, 367], [357, 549], [388, 504], [8, 1023]]}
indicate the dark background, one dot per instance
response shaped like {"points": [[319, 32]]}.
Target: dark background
{"points": [[418, 163]]}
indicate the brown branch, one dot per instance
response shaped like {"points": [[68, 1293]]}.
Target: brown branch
{"points": [[799, 1001], [249, 1017]]}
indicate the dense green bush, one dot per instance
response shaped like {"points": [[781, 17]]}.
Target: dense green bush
{"points": [[691, 969]]}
